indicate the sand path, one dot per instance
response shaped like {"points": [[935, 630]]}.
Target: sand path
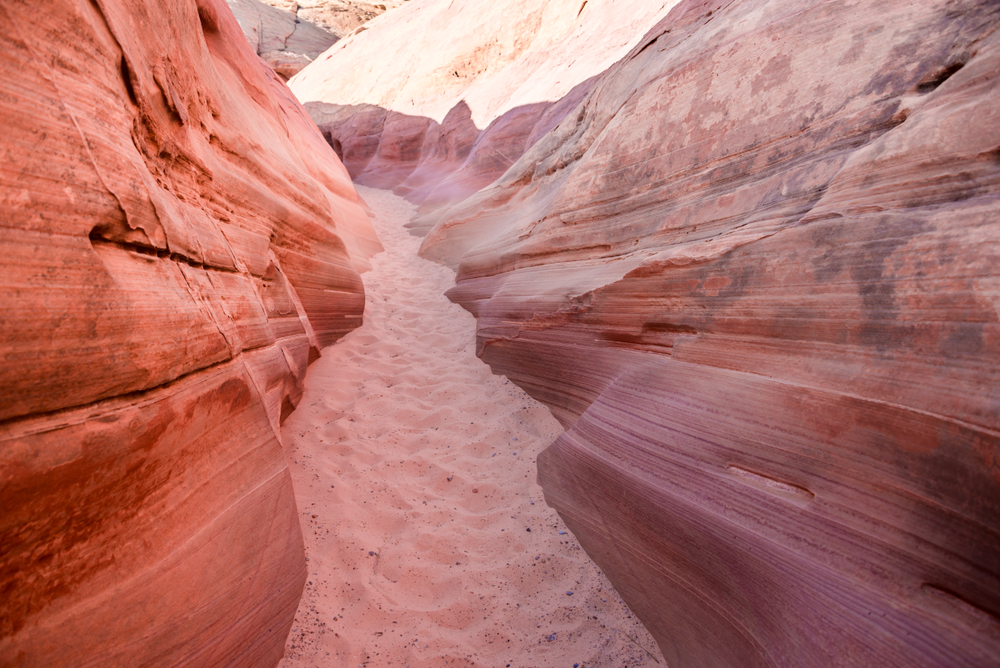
{"points": [[427, 538]]}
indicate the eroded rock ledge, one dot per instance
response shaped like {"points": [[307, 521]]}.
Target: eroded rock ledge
{"points": [[755, 274], [178, 244]]}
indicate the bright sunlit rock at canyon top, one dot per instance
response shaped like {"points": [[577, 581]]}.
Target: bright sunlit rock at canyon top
{"points": [[527, 334], [427, 57]]}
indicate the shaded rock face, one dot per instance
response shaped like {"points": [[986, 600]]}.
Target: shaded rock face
{"points": [[434, 164], [178, 243], [279, 37], [441, 114], [755, 274]]}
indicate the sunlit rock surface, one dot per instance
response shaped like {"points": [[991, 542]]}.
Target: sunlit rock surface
{"points": [[436, 99], [757, 276], [279, 37], [341, 17], [178, 243]]}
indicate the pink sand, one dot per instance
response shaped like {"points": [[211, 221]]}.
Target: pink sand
{"points": [[428, 541]]}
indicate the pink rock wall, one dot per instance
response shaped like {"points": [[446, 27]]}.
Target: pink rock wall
{"points": [[451, 94], [434, 164], [755, 273], [178, 244]]}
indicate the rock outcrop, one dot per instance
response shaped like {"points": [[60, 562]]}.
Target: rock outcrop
{"points": [[341, 17], [279, 37], [178, 244], [442, 112], [756, 273]]}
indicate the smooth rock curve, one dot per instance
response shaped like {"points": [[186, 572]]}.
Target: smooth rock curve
{"points": [[178, 244], [755, 274]]}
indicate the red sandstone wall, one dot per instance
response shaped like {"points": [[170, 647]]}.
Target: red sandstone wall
{"points": [[178, 242], [756, 276]]}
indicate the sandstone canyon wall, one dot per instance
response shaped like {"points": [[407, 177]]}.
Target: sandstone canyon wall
{"points": [[756, 274], [437, 98], [279, 37], [340, 17], [178, 244]]}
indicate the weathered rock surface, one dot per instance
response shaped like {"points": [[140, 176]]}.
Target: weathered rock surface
{"points": [[279, 37], [440, 114], [178, 243], [757, 275], [341, 17]]}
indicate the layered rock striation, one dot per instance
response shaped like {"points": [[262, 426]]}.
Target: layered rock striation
{"points": [[442, 113], [178, 244], [755, 274]]}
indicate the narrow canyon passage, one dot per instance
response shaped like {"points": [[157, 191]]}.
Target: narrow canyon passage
{"points": [[427, 538]]}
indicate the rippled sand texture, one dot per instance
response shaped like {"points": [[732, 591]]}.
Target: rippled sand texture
{"points": [[427, 538]]}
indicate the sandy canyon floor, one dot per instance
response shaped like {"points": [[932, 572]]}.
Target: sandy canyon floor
{"points": [[427, 538]]}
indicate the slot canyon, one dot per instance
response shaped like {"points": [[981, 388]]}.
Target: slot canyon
{"points": [[556, 333]]}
